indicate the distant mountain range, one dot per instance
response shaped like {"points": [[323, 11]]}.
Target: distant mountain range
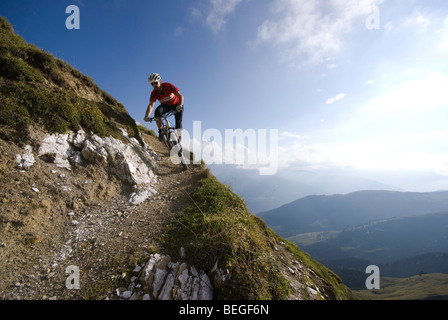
{"points": [[263, 193], [339, 212], [404, 233], [379, 242]]}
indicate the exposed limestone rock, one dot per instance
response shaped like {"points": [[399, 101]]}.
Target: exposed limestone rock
{"points": [[141, 194], [162, 279], [130, 162], [27, 159], [57, 147], [94, 151]]}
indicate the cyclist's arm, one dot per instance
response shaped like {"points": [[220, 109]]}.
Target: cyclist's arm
{"points": [[181, 98], [149, 109]]}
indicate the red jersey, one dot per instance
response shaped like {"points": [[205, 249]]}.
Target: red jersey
{"points": [[168, 96]]}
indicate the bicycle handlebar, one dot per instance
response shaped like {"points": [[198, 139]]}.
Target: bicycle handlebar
{"points": [[164, 116]]}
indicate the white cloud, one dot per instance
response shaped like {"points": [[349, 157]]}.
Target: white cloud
{"points": [[421, 21], [444, 34], [220, 9], [378, 152], [413, 96], [290, 135], [338, 97], [313, 30]]}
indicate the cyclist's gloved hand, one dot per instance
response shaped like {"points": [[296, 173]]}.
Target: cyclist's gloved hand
{"points": [[147, 119], [179, 108]]}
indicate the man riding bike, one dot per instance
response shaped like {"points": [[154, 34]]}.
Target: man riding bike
{"points": [[170, 99]]}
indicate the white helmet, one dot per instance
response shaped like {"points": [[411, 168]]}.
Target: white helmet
{"points": [[154, 77]]}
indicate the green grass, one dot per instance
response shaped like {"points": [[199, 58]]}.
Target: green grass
{"points": [[333, 282], [220, 228], [34, 91], [23, 104]]}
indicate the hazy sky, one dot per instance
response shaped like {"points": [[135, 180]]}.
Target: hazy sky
{"points": [[359, 84]]}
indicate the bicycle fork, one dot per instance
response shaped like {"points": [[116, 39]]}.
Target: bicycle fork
{"points": [[176, 153], [176, 143]]}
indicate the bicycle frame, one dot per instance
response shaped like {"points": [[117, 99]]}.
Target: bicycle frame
{"points": [[170, 137]]}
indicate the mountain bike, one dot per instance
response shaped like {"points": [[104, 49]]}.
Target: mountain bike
{"points": [[170, 138]]}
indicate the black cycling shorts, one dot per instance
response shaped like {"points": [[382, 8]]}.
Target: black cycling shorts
{"points": [[163, 108]]}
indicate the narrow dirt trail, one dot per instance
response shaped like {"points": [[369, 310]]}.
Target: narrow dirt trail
{"points": [[115, 236], [90, 224]]}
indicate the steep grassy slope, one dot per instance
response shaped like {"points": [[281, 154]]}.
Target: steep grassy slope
{"points": [[218, 229], [38, 89], [39, 92]]}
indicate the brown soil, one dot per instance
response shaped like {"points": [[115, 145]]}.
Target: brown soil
{"points": [[80, 217], [52, 219]]}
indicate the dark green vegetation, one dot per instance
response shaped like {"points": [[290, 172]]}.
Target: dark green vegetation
{"points": [[219, 229], [38, 89]]}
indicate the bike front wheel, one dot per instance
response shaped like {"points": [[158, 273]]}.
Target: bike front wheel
{"points": [[178, 147]]}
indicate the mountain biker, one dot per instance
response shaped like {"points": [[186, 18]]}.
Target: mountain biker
{"points": [[170, 99]]}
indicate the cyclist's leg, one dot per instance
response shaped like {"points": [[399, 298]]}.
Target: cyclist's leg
{"points": [[157, 114], [162, 109], [179, 116]]}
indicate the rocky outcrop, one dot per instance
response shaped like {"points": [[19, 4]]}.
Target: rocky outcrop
{"points": [[160, 278], [130, 162], [25, 160]]}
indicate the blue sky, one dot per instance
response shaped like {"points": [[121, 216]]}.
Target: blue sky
{"points": [[342, 95]]}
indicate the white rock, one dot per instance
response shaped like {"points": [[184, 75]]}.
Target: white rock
{"points": [[130, 162], [195, 286], [194, 271], [147, 271], [165, 293], [313, 292], [126, 163], [141, 195], [159, 279], [27, 159], [76, 157], [57, 146], [79, 138], [205, 291], [183, 293], [126, 294], [94, 151]]}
